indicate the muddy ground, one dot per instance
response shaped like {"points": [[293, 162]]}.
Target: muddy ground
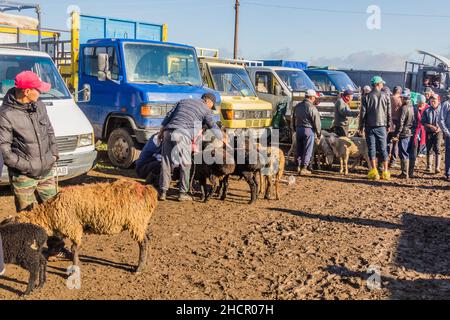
{"points": [[320, 241]]}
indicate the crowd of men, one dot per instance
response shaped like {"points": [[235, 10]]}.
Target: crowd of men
{"points": [[395, 125], [391, 123]]}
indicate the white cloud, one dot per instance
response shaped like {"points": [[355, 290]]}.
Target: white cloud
{"points": [[366, 60]]}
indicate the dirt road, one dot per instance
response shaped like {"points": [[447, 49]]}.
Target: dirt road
{"points": [[321, 241]]}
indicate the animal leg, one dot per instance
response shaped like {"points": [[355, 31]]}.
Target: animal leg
{"points": [[277, 183], [42, 271], [34, 273], [341, 159], [346, 163], [143, 248], [75, 252], [213, 190], [224, 187], [268, 187], [249, 177]]}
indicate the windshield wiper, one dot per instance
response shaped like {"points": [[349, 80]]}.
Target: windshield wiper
{"points": [[151, 81], [185, 83]]}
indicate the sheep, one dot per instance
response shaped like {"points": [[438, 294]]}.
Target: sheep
{"points": [[273, 172], [344, 148], [248, 165], [22, 246], [222, 166], [322, 150], [102, 208]]}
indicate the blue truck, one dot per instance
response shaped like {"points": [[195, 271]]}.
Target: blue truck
{"points": [[126, 86]]}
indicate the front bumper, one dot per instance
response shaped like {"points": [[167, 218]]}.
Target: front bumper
{"points": [[76, 163], [143, 135]]}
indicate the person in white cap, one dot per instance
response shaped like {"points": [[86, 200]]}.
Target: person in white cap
{"points": [[308, 127]]}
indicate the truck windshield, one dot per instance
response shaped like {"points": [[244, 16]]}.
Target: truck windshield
{"points": [[232, 81], [11, 65], [296, 80], [342, 82], [149, 63]]}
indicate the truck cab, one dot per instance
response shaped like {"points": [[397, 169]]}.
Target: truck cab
{"points": [[331, 83], [74, 134], [241, 109], [280, 85], [129, 85], [432, 72]]}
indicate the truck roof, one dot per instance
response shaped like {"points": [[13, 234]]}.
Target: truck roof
{"points": [[224, 65], [109, 40], [22, 52], [323, 71], [274, 68]]}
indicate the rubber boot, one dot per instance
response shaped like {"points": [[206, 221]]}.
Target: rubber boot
{"points": [[412, 164], [405, 169], [438, 163], [429, 161]]}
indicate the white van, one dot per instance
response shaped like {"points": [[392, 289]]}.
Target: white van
{"points": [[74, 132]]}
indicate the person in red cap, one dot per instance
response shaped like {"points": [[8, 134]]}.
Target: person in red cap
{"points": [[28, 144]]}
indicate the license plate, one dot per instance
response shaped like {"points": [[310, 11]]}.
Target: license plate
{"points": [[60, 171]]}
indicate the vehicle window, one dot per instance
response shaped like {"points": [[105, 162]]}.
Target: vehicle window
{"points": [[91, 61], [10, 66], [264, 82], [232, 81], [296, 80], [322, 82], [150, 63]]}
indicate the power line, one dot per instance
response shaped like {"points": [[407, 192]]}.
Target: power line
{"points": [[266, 5]]}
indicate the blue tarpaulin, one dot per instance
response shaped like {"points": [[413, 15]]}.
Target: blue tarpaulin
{"points": [[302, 65]]}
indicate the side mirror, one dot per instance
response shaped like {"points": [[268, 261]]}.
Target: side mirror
{"points": [[103, 67]]}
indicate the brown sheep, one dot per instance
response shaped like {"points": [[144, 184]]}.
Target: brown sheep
{"points": [[103, 208], [345, 148], [273, 172]]}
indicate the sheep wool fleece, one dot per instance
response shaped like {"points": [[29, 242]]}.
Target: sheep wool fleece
{"points": [[24, 189]]}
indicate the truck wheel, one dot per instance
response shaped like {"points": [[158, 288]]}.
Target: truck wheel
{"points": [[122, 150]]}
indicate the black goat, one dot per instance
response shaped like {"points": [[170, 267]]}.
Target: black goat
{"points": [[22, 246]]}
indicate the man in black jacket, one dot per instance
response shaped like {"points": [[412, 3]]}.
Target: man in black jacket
{"points": [[405, 135], [179, 130], [308, 127], [27, 141], [28, 146], [376, 120]]}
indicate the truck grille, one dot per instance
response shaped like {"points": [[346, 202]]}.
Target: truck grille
{"points": [[67, 144]]}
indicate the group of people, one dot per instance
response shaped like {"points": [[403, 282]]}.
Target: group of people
{"points": [[399, 123]]}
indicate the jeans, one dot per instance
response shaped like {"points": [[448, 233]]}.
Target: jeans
{"points": [[376, 138], [407, 150], [305, 146], [447, 157], [176, 150]]}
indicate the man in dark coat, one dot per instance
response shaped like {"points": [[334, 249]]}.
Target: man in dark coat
{"points": [[28, 146]]}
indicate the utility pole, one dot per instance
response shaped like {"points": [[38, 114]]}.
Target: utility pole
{"points": [[236, 29]]}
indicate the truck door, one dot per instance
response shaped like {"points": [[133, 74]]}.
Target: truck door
{"points": [[104, 95], [266, 84]]}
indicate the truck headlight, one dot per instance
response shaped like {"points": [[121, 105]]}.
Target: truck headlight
{"points": [[239, 115], [85, 140]]}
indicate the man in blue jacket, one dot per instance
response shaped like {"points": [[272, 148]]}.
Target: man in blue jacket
{"points": [[444, 124], [179, 129]]}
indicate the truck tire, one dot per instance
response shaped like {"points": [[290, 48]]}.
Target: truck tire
{"points": [[122, 151]]}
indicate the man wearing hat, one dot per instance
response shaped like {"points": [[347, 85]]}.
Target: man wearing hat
{"points": [[27, 141], [28, 146], [396, 111], [308, 127], [341, 113], [179, 129], [444, 124], [375, 119], [428, 92], [405, 135]]}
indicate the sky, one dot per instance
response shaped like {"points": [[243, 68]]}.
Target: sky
{"points": [[321, 32]]}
